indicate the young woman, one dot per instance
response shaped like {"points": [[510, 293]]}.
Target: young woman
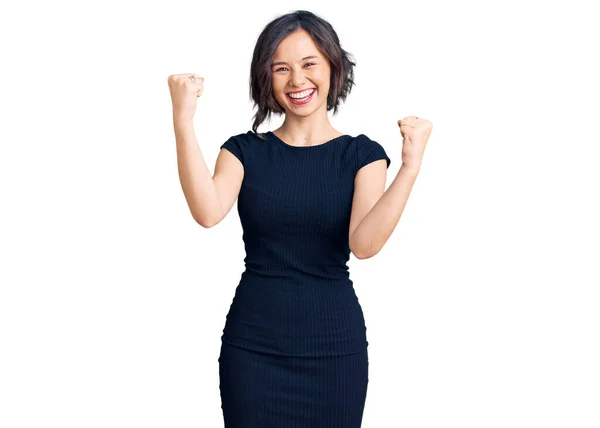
{"points": [[294, 347]]}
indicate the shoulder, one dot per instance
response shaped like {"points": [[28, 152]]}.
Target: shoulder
{"points": [[363, 140], [236, 144], [369, 150], [242, 144], [246, 138]]}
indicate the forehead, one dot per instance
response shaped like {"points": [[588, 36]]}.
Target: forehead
{"points": [[295, 46]]}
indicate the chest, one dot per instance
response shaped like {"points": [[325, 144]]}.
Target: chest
{"points": [[297, 195]]}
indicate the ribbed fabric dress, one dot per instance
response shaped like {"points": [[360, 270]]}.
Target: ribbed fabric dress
{"points": [[294, 346]]}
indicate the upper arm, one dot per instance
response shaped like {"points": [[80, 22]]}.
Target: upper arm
{"points": [[369, 185], [369, 180], [228, 176]]}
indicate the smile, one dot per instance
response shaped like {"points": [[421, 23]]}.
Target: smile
{"points": [[305, 99]]}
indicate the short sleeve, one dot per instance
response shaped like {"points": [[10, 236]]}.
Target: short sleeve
{"points": [[369, 151], [235, 146]]}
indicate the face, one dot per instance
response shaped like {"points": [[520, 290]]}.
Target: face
{"points": [[298, 66]]}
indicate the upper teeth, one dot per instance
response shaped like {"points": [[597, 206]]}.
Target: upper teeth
{"points": [[302, 94]]}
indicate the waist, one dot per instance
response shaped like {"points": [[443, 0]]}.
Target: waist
{"points": [[295, 316], [283, 263]]}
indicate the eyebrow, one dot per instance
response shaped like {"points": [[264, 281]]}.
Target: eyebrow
{"points": [[303, 59]]}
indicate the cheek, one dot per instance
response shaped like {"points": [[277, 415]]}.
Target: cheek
{"points": [[277, 83], [276, 90], [323, 80], [324, 86]]}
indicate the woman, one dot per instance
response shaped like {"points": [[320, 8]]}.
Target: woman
{"points": [[294, 348]]}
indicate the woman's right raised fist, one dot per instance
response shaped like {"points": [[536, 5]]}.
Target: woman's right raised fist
{"points": [[185, 90]]}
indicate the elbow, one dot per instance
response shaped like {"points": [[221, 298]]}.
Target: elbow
{"points": [[358, 252], [361, 255], [365, 253], [207, 218], [206, 222]]}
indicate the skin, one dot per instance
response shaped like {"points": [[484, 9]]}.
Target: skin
{"points": [[308, 124]]}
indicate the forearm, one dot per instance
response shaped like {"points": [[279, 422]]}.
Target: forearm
{"points": [[195, 177], [374, 230]]}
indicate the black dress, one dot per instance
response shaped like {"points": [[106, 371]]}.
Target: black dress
{"points": [[294, 346]]}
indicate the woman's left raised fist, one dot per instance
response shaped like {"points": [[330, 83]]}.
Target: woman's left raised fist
{"points": [[415, 133]]}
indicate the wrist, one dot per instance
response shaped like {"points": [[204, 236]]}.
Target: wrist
{"points": [[182, 119], [411, 169]]}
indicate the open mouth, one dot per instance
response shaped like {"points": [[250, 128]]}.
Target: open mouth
{"points": [[301, 101]]}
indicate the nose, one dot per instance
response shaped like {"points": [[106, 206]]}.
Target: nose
{"points": [[297, 78]]}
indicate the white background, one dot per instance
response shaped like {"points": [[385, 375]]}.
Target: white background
{"points": [[481, 309]]}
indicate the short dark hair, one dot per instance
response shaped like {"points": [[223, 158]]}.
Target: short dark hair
{"points": [[326, 40]]}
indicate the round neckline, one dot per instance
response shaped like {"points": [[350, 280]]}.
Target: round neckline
{"points": [[280, 141]]}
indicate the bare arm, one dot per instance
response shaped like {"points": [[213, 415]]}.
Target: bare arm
{"points": [[378, 212], [209, 198]]}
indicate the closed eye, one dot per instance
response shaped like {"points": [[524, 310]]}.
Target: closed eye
{"points": [[308, 63]]}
